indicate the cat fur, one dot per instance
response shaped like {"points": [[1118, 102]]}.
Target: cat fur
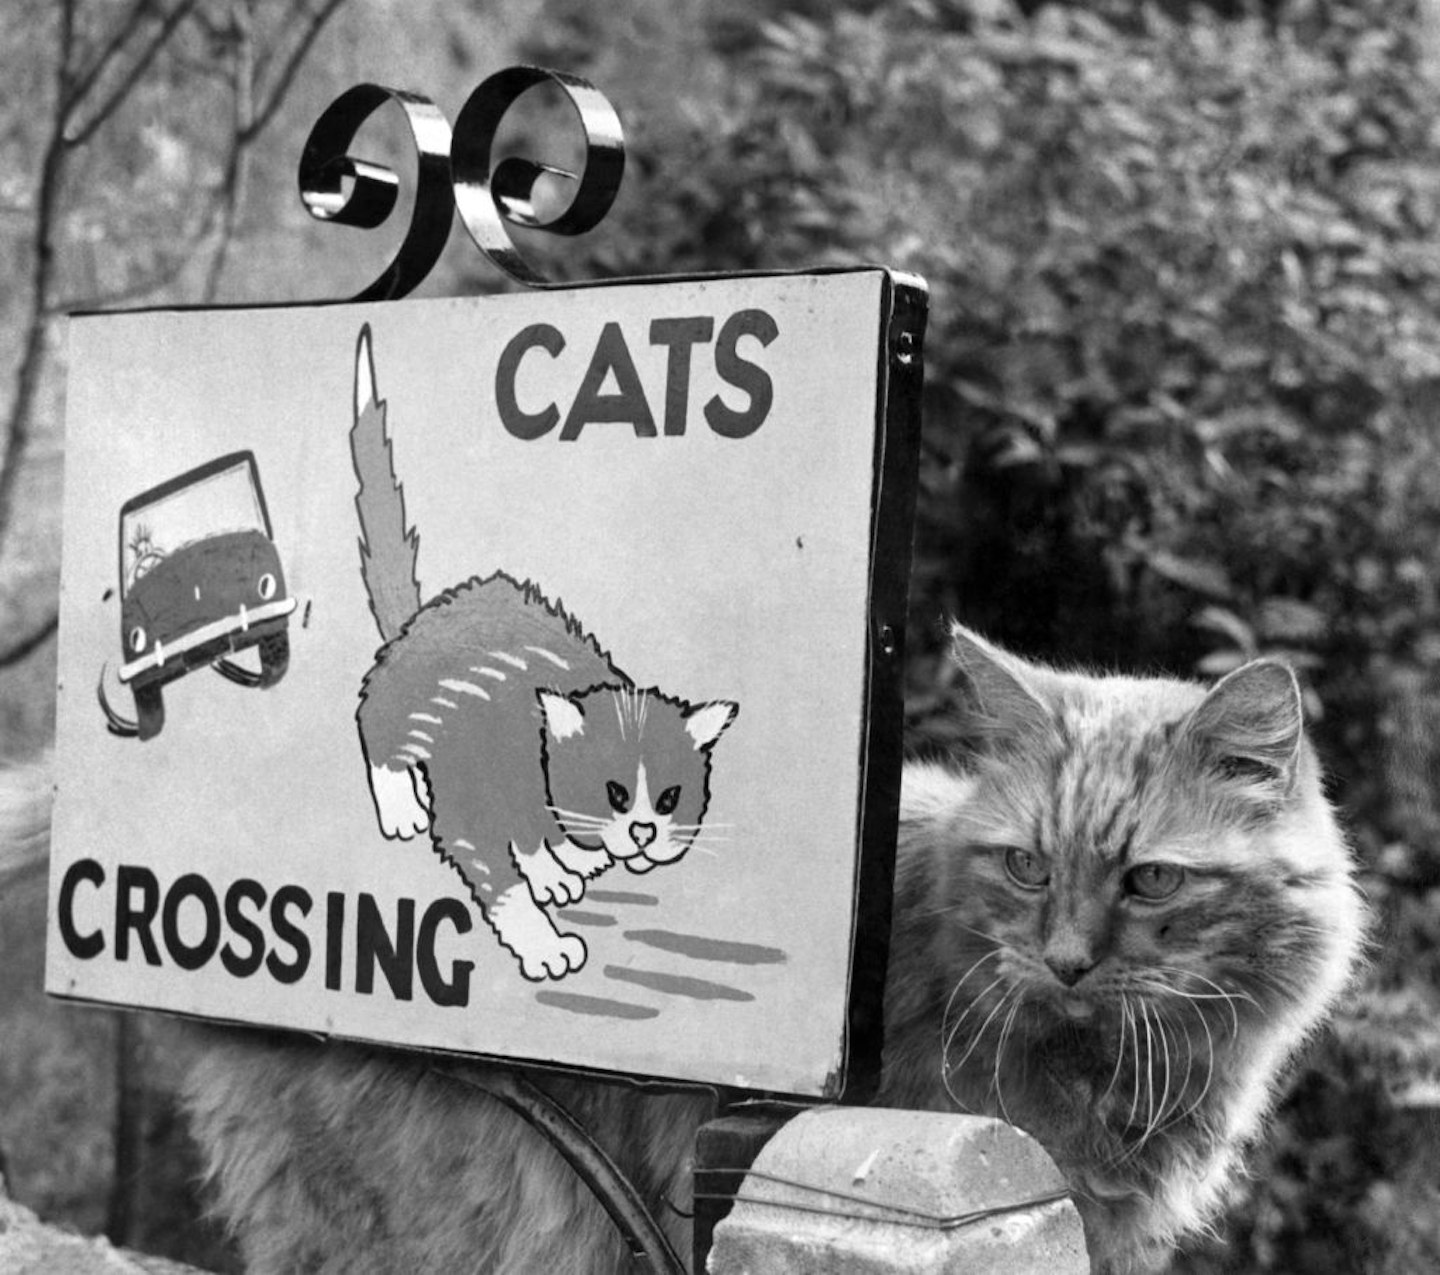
{"points": [[338, 1157]]}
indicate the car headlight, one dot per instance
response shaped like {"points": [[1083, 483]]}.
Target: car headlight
{"points": [[137, 639], [268, 586]]}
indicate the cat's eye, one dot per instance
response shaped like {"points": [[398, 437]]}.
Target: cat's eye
{"points": [[1154, 881], [1026, 868], [667, 801], [619, 796]]}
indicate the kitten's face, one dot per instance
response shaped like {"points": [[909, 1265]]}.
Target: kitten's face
{"points": [[630, 770]]}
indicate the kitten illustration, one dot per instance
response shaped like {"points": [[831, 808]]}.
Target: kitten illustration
{"points": [[1118, 918], [494, 724]]}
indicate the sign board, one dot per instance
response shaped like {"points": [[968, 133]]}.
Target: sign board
{"points": [[514, 676]]}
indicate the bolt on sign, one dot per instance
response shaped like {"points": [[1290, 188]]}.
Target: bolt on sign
{"points": [[514, 676]]}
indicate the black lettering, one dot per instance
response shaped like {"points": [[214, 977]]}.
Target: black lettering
{"points": [[244, 928], [373, 945], [191, 886], [749, 377], [627, 404], [523, 424], [129, 917], [679, 336], [286, 897], [83, 947], [457, 990], [334, 938]]}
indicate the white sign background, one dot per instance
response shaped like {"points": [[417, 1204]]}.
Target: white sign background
{"points": [[710, 566]]}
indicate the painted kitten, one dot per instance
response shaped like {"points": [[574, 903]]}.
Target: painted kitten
{"points": [[494, 724], [1115, 924]]}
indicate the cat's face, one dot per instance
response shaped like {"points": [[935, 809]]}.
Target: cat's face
{"points": [[1138, 869], [630, 769]]}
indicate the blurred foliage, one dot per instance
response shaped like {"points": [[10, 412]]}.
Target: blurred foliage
{"points": [[1182, 373]]}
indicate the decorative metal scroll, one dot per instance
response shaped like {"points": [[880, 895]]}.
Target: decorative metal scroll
{"points": [[455, 172]]}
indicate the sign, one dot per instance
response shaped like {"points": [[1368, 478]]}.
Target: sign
{"points": [[512, 676]]}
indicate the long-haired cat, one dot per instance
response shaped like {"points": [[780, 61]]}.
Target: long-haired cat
{"points": [[1117, 919], [1115, 924]]}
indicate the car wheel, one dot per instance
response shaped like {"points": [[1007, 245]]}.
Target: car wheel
{"points": [[274, 658], [150, 711]]}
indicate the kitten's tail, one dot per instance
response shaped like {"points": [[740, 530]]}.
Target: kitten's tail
{"points": [[25, 797], [387, 546]]}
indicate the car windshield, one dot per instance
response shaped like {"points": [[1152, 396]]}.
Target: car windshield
{"points": [[217, 503]]}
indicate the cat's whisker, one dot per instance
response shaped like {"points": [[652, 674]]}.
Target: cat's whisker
{"points": [[954, 1031], [948, 1032], [1135, 1099], [1119, 1053], [1000, 1053], [1209, 1067], [989, 1018], [1189, 1069], [1182, 1114], [948, 1035], [1149, 1073], [965, 977], [1220, 993], [576, 816], [1165, 1062]]}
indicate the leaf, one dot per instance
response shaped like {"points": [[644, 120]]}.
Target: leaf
{"points": [[1218, 663], [1226, 622], [1202, 577], [1288, 620]]}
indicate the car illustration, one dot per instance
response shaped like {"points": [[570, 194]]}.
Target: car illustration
{"points": [[200, 579]]}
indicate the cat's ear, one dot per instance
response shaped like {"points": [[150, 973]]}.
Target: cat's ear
{"points": [[1250, 727], [1000, 699], [707, 722], [564, 718]]}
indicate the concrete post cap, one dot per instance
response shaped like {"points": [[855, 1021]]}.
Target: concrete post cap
{"points": [[865, 1189]]}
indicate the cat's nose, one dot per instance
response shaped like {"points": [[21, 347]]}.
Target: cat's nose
{"points": [[642, 834], [1069, 969]]}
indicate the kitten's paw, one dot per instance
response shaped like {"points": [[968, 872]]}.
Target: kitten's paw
{"points": [[563, 888], [401, 802], [553, 960], [522, 927], [549, 880]]}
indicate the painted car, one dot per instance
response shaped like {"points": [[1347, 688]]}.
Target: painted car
{"points": [[200, 579]]}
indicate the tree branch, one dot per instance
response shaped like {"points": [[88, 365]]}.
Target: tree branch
{"points": [[85, 80], [31, 642], [232, 185], [281, 87], [32, 357], [132, 77], [250, 123]]}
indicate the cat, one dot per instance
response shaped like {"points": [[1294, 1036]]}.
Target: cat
{"points": [[493, 723], [1121, 916], [1118, 917]]}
